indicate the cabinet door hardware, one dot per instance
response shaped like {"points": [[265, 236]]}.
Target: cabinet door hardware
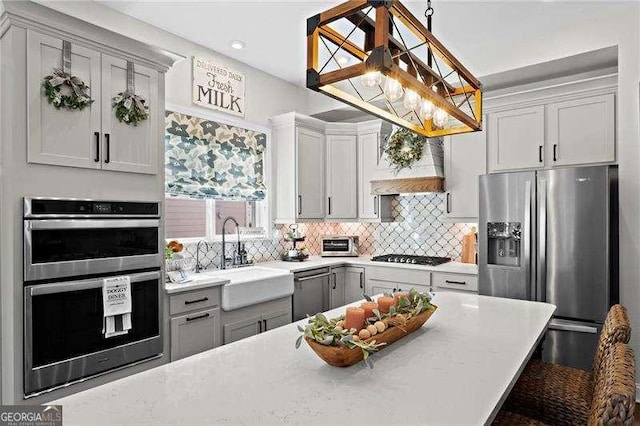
{"points": [[107, 141], [265, 325], [299, 204], [455, 282], [198, 317], [260, 326], [96, 135], [448, 202], [555, 152], [189, 302], [335, 278], [329, 204], [375, 205], [540, 159], [362, 280]]}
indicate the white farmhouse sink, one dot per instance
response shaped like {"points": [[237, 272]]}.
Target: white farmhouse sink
{"points": [[251, 285]]}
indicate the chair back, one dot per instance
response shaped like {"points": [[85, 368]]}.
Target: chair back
{"points": [[617, 328], [614, 396]]}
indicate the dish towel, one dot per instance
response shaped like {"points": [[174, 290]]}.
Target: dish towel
{"points": [[116, 299]]}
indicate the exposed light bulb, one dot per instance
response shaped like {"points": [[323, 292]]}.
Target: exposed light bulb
{"points": [[237, 44], [440, 117], [426, 110], [411, 99], [392, 89], [371, 79]]}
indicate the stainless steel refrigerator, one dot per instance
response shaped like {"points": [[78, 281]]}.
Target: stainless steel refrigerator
{"points": [[552, 236]]}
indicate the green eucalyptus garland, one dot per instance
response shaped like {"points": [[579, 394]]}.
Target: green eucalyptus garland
{"points": [[130, 108], [404, 148], [63, 90]]}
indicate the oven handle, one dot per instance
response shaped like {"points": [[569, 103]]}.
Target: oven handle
{"points": [[64, 287], [91, 224]]}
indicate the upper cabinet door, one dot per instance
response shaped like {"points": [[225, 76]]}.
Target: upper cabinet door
{"points": [[582, 131], [129, 148], [464, 160], [367, 164], [310, 174], [516, 139], [61, 137], [342, 177]]}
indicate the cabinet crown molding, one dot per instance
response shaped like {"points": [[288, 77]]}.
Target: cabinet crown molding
{"points": [[29, 15], [292, 118]]}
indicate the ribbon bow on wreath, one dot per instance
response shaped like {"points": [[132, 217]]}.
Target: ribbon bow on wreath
{"points": [[64, 90], [130, 108]]}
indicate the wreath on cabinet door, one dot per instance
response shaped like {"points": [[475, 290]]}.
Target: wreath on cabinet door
{"points": [[130, 108], [404, 148], [64, 90]]}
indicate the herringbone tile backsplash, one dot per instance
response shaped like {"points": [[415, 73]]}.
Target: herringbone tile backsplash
{"points": [[417, 229]]}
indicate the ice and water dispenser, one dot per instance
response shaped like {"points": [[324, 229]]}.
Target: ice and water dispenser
{"points": [[504, 243]]}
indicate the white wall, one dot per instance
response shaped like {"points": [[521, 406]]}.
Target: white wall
{"points": [[266, 95]]}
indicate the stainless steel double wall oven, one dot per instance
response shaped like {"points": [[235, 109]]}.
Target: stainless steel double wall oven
{"points": [[70, 247]]}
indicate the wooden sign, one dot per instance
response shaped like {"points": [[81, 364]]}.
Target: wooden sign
{"points": [[217, 87]]}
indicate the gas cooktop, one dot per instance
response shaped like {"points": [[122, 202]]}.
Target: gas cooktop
{"points": [[413, 260]]}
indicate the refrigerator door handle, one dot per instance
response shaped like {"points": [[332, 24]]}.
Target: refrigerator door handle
{"points": [[542, 240], [527, 238], [573, 327]]}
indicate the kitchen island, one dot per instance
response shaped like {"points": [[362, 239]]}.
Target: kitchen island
{"points": [[456, 369]]}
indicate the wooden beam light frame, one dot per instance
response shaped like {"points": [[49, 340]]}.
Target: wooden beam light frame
{"points": [[384, 53]]}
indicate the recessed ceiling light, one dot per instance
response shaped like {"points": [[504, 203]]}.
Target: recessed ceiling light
{"points": [[237, 44], [342, 60]]}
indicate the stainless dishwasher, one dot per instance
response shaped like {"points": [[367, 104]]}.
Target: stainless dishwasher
{"points": [[311, 292]]}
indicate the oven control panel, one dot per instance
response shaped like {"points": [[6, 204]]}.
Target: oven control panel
{"points": [[56, 207]]}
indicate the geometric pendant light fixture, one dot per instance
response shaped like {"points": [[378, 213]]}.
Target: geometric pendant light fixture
{"points": [[378, 57]]}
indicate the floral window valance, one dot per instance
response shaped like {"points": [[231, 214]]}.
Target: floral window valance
{"points": [[205, 159]]}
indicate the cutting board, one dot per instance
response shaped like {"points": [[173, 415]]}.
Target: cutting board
{"points": [[469, 247]]}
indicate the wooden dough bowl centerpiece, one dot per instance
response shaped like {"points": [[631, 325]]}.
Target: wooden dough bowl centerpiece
{"points": [[351, 338]]}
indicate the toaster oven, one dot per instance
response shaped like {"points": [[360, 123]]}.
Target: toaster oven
{"points": [[339, 246]]}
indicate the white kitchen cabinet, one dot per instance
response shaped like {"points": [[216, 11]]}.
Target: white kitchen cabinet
{"points": [[375, 286], [337, 292], [342, 176], [582, 131], [516, 139], [464, 161], [129, 148], [371, 207], [324, 170], [92, 138], [251, 320], [194, 333], [382, 286], [310, 146], [275, 319], [382, 279], [195, 321], [454, 282], [238, 330], [354, 284], [60, 136]]}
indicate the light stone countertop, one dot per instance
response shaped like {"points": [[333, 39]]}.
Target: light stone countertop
{"points": [[196, 284], [319, 262], [457, 369]]}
